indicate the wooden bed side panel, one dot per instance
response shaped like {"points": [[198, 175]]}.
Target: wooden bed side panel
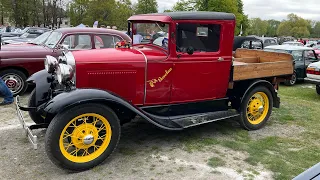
{"points": [[247, 60], [260, 70], [263, 56]]}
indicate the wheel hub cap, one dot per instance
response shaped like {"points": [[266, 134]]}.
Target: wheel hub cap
{"points": [[88, 139], [11, 83]]}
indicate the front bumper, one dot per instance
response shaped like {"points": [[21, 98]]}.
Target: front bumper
{"points": [[28, 129], [312, 81]]}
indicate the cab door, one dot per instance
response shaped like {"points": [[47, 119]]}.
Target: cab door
{"points": [[203, 74]]}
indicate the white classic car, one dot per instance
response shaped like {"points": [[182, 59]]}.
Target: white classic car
{"points": [[313, 75]]}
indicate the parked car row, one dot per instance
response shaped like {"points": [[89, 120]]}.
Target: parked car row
{"points": [[20, 60]]}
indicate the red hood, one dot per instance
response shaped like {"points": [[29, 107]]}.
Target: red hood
{"points": [[22, 47], [118, 55]]}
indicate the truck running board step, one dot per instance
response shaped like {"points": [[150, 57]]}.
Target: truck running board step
{"points": [[205, 118]]}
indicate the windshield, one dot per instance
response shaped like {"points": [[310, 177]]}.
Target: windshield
{"points": [[53, 39], [151, 33], [41, 39], [24, 35]]}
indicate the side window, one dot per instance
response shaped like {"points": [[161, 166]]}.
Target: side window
{"points": [[273, 41], [309, 55], [76, 42], [201, 37], [105, 41]]}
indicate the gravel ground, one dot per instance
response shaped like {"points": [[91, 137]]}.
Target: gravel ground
{"points": [[144, 152]]}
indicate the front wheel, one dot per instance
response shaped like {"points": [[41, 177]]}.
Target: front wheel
{"points": [[318, 89], [82, 137], [256, 108]]}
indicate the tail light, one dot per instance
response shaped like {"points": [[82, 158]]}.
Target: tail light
{"points": [[315, 71]]}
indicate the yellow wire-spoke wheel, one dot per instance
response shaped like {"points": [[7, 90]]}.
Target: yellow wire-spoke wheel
{"points": [[85, 138], [257, 108]]}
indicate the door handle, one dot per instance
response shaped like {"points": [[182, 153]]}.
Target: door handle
{"points": [[220, 59]]}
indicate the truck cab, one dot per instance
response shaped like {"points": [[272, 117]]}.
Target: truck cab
{"points": [[178, 71]]}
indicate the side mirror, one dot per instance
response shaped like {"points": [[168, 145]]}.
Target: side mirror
{"points": [[190, 50]]}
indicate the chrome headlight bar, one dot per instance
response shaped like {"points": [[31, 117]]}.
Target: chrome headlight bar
{"points": [[64, 73], [50, 64], [63, 68]]}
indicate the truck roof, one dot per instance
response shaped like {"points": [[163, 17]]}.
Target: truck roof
{"points": [[183, 15]]}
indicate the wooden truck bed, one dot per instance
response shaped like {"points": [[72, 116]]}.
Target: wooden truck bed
{"points": [[251, 64]]}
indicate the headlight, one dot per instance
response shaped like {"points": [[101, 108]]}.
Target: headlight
{"points": [[64, 73], [50, 64]]}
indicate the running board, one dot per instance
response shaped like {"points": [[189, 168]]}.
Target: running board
{"points": [[199, 119]]}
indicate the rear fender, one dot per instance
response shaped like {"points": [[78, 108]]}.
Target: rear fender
{"points": [[267, 84], [67, 100]]}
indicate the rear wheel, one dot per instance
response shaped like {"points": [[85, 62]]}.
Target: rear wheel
{"points": [[256, 108], [318, 89], [15, 80], [82, 137], [36, 117], [292, 81]]}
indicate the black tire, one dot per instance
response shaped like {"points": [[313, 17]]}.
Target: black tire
{"points": [[292, 81], [244, 120], [57, 125], [19, 77], [318, 89], [36, 117]]}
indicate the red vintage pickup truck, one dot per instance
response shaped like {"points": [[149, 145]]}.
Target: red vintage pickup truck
{"points": [[176, 79]]}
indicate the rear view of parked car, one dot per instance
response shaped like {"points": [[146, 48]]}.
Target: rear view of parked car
{"points": [[313, 75]]}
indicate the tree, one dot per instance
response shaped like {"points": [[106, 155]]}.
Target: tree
{"points": [[272, 27], [258, 27], [146, 6], [316, 30], [295, 26]]}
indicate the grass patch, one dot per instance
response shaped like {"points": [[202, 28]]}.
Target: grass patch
{"points": [[216, 162], [286, 156]]}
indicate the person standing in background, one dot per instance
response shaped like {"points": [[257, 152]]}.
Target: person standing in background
{"points": [[5, 93]]}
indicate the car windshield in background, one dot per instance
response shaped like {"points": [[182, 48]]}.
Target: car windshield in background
{"points": [[151, 33], [41, 39], [53, 39]]}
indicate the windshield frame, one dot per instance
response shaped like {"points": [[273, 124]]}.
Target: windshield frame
{"points": [[167, 26], [55, 41]]}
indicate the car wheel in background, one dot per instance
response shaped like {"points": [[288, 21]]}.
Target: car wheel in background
{"points": [[15, 80], [292, 81], [318, 89]]}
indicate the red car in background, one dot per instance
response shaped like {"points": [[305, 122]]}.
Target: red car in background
{"points": [[18, 62], [317, 49]]}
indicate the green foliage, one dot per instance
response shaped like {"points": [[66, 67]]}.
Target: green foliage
{"points": [[295, 26], [146, 6], [316, 30], [106, 12], [258, 27]]}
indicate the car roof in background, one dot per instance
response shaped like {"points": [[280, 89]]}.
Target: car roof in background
{"points": [[283, 47], [92, 30], [238, 40]]}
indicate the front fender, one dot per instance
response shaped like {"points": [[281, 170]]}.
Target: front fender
{"points": [[42, 81], [76, 97]]}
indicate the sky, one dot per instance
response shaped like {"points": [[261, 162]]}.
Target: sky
{"points": [[269, 9]]}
